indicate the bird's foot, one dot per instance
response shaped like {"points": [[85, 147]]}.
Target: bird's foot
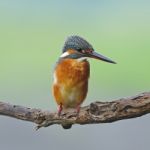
{"points": [[60, 108], [78, 110]]}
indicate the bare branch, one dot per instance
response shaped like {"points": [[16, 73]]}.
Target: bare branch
{"points": [[97, 112]]}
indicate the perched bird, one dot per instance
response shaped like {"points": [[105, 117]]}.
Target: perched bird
{"points": [[72, 72]]}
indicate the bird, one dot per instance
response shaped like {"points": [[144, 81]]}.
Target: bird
{"points": [[72, 71]]}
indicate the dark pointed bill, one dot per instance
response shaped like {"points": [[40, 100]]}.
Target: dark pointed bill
{"points": [[100, 57]]}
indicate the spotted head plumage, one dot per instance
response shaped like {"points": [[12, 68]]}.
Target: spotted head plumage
{"points": [[77, 43]]}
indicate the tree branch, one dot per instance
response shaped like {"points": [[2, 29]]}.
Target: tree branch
{"points": [[97, 112]]}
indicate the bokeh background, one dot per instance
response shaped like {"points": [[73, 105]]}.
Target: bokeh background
{"points": [[32, 33]]}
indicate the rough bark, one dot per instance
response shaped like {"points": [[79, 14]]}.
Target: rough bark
{"points": [[96, 112]]}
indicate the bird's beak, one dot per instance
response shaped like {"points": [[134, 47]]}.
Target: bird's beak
{"points": [[100, 57]]}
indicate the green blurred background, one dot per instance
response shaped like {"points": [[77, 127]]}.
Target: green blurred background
{"points": [[32, 33]]}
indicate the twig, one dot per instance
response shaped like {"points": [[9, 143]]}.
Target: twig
{"points": [[97, 112]]}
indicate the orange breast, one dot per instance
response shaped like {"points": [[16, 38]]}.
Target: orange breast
{"points": [[70, 82]]}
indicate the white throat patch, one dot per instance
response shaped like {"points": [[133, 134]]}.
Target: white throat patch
{"points": [[81, 59]]}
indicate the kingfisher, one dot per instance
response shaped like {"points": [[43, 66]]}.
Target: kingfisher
{"points": [[72, 71]]}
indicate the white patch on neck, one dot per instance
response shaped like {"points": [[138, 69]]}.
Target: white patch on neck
{"points": [[55, 78], [64, 54], [81, 59]]}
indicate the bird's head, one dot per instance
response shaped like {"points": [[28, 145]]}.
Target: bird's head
{"points": [[76, 47]]}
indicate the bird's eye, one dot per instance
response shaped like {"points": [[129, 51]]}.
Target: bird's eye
{"points": [[79, 49], [84, 51]]}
